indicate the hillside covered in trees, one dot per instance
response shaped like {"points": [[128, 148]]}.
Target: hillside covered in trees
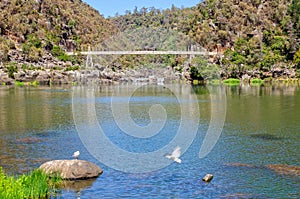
{"points": [[256, 38], [34, 28]]}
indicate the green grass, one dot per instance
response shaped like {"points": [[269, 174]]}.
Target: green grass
{"points": [[256, 81], [36, 184], [21, 84], [231, 81], [17, 83]]}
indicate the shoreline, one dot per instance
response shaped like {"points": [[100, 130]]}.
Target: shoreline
{"points": [[73, 75]]}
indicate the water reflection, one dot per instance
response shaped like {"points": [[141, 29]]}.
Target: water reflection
{"points": [[268, 90], [78, 185], [32, 108]]}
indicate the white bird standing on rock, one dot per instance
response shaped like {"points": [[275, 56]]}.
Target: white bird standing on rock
{"points": [[175, 155], [76, 155]]}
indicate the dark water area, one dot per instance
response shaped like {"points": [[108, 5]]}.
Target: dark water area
{"points": [[262, 127]]}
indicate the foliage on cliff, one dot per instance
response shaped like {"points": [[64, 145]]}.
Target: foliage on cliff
{"points": [[253, 35], [35, 27], [257, 35]]}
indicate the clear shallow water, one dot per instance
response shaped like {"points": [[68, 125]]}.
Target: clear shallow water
{"points": [[261, 128]]}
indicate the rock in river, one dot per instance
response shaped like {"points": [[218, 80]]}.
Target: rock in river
{"points": [[72, 169], [285, 169]]}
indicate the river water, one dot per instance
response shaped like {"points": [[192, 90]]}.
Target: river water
{"points": [[255, 126]]}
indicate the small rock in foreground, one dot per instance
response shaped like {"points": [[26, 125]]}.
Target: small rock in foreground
{"points": [[207, 178]]}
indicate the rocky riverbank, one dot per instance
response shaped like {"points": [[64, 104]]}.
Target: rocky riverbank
{"points": [[107, 76], [48, 70]]}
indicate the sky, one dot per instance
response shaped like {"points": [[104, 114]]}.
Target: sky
{"points": [[111, 7]]}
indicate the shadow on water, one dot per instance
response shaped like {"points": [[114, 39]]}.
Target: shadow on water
{"points": [[78, 185], [265, 136]]}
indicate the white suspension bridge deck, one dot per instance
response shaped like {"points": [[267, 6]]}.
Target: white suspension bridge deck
{"points": [[143, 52]]}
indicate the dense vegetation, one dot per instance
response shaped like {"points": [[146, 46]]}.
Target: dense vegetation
{"points": [[255, 36], [34, 185], [36, 27]]}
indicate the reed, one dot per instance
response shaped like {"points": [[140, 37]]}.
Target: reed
{"points": [[36, 184]]}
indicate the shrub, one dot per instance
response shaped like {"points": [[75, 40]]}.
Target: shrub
{"points": [[12, 68], [60, 54], [297, 58], [24, 66], [32, 42], [195, 73], [57, 51], [18, 83], [4, 48], [202, 70], [231, 81], [257, 81], [34, 83], [65, 58], [70, 68], [298, 73], [34, 53]]}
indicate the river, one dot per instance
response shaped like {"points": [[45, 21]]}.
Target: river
{"points": [[255, 126]]}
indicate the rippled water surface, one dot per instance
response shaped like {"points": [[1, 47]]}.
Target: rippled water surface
{"points": [[262, 127]]}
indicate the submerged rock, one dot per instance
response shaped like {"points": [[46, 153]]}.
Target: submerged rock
{"points": [[285, 169], [237, 164], [278, 168], [265, 136], [72, 169]]}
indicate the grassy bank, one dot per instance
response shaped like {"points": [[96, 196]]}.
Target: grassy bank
{"points": [[36, 184]]}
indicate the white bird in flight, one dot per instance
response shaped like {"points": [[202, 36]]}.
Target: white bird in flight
{"points": [[175, 155], [76, 155]]}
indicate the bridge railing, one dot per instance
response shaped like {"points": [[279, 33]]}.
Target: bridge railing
{"points": [[143, 52]]}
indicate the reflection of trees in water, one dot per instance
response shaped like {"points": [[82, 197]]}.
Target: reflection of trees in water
{"points": [[22, 109], [276, 90]]}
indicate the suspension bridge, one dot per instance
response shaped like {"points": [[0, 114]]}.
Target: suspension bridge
{"points": [[143, 52]]}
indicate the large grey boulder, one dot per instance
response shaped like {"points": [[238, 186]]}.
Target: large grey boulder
{"points": [[72, 169]]}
